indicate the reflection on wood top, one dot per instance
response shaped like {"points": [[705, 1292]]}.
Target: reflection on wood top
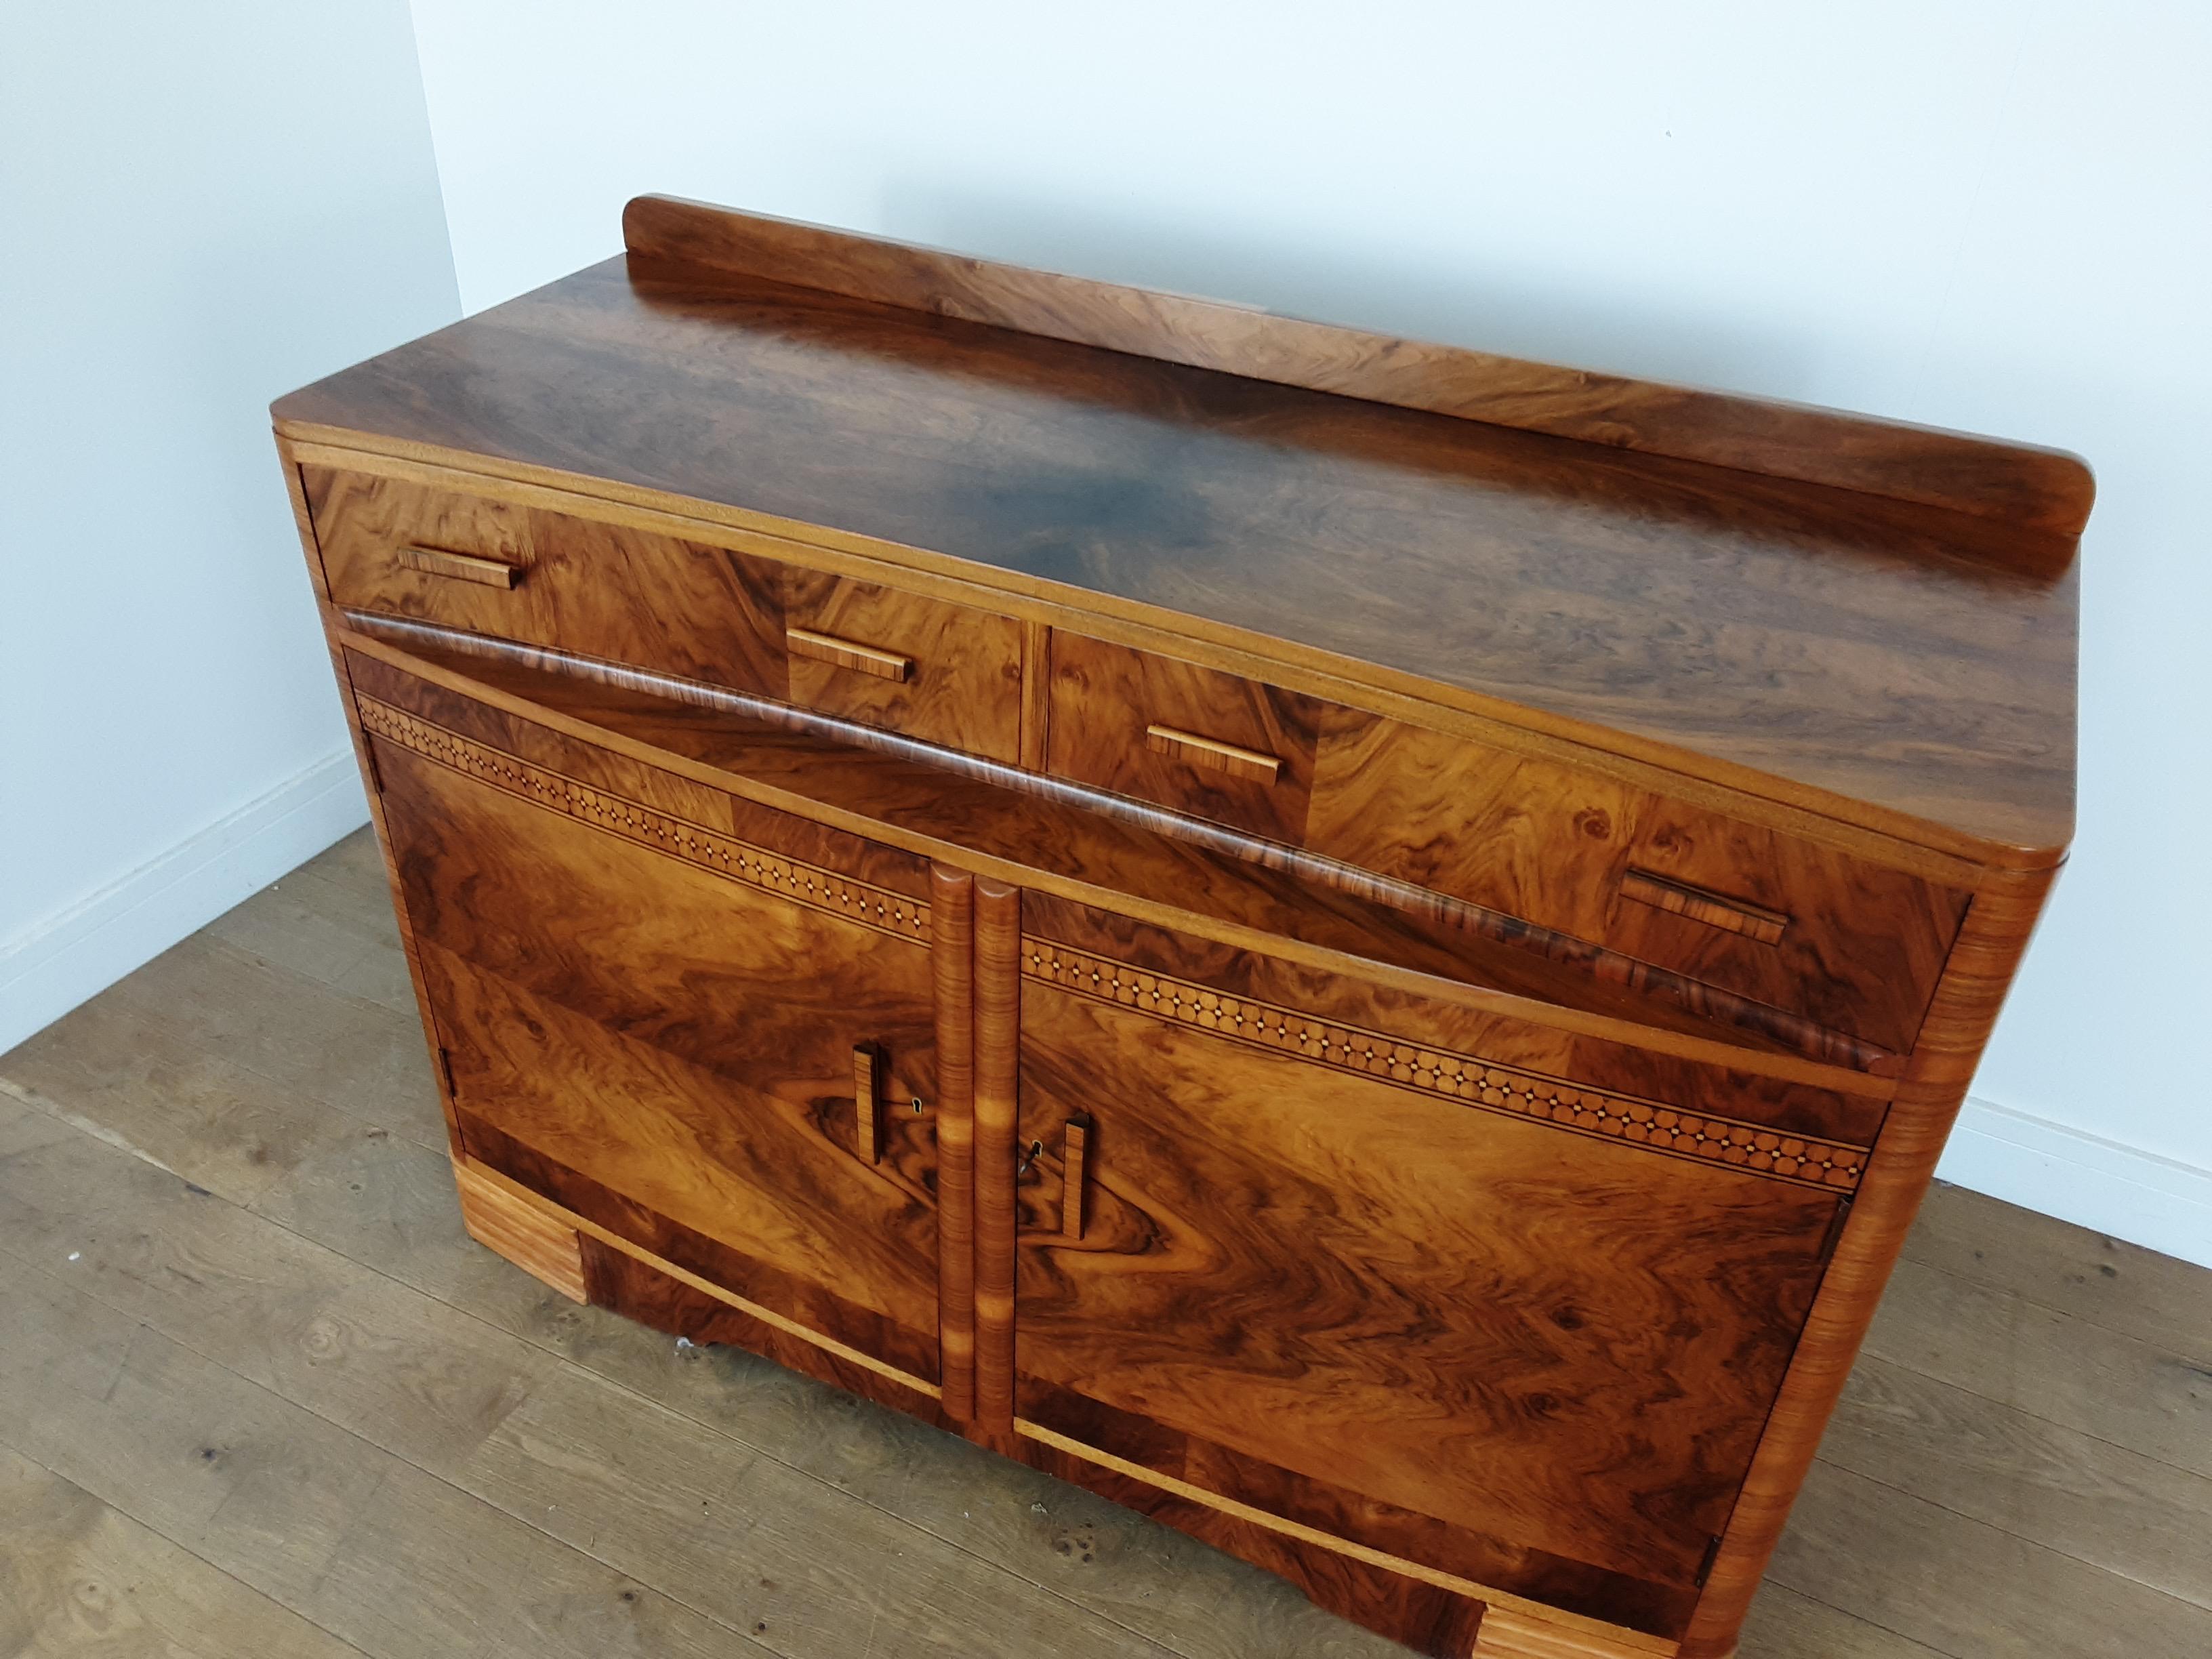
{"points": [[1914, 656]]}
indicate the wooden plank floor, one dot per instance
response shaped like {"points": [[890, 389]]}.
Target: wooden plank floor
{"points": [[260, 1395]]}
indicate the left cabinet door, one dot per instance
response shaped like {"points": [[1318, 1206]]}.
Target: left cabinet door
{"points": [[702, 1025]]}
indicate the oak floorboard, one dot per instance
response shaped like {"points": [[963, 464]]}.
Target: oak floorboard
{"points": [[1926, 1573], [204, 1013], [754, 1545], [326, 930], [2115, 1508], [360, 1542], [2020, 1353], [79, 1578], [2104, 1281], [1785, 1625]]}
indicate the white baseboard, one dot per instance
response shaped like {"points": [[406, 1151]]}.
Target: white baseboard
{"points": [[81, 951], [2117, 1190]]}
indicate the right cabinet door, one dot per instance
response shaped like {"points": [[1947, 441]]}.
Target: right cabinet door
{"points": [[1308, 1249]]}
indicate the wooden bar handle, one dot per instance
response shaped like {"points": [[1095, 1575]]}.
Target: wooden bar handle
{"points": [[1212, 754], [1073, 1154], [1714, 909], [866, 1118], [846, 653], [460, 567]]}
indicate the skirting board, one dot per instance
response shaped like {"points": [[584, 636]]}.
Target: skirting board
{"points": [[74, 955], [2119, 1191]]}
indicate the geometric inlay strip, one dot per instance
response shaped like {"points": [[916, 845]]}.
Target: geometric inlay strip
{"points": [[1484, 1084], [878, 908]]}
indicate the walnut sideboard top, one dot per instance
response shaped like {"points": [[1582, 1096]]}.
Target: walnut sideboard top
{"points": [[1364, 946]]}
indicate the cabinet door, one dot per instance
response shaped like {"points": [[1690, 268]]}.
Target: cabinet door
{"points": [[667, 1022], [1329, 1269]]}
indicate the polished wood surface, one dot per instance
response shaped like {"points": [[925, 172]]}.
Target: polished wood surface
{"points": [[942, 672], [671, 1086], [1455, 1312], [952, 984], [1213, 745], [1076, 841], [2036, 488], [1821, 646], [1371, 957], [2015, 1466]]}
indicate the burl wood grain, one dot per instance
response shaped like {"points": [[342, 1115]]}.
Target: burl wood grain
{"points": [[624, 1283], [604, 591], [681, 1037], [2039, 487], [1958, 1028], [1426, 1618], [964, 689], [1557, 1342], [1050, 832], [1108, 702], [1887, 662], [1859, 951], [1152, 959]]}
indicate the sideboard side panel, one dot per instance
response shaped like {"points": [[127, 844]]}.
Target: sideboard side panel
{"points": [[1975, 980]]}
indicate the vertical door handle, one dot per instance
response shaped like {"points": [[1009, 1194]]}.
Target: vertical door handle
{"points": [[1074, 1152], [866, 1122]]}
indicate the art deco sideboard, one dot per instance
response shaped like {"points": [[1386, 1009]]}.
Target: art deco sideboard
{"points": [[1363, 947]]}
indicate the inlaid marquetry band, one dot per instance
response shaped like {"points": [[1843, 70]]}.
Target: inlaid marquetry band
{"points": [[1485, 1084], [886, 912]]}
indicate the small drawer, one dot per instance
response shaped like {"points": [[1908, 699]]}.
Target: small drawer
{"points": [[1854, 945], [1197, 739], [933, 670], [547, 578]]}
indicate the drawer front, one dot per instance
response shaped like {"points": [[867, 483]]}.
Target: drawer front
{"points": [[940, 671], [1197, 739], [1852, 945], [1380, 1278], [547, 578]]}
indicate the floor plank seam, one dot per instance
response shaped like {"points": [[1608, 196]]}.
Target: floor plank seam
{"points": [[2007, 1532], [557, 1541], [596, 1378], [183, 1548]]}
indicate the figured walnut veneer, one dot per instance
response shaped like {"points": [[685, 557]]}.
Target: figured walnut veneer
{"points": [[1363, 947]]}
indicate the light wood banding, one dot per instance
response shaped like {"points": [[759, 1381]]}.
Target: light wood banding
{"points": [[1194, 750], [520, 1230], [998, 1051], [848, 653], [1732, 915], [866, 1109]]}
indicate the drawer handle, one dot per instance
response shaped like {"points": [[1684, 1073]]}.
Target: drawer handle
{"points": [[460, 567], [865, 1119], [1679, 898], [845, 653], [1073, 1151], [1212, 754]]}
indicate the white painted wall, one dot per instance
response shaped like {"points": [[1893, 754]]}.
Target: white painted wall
{"points": [[201, 207]]}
